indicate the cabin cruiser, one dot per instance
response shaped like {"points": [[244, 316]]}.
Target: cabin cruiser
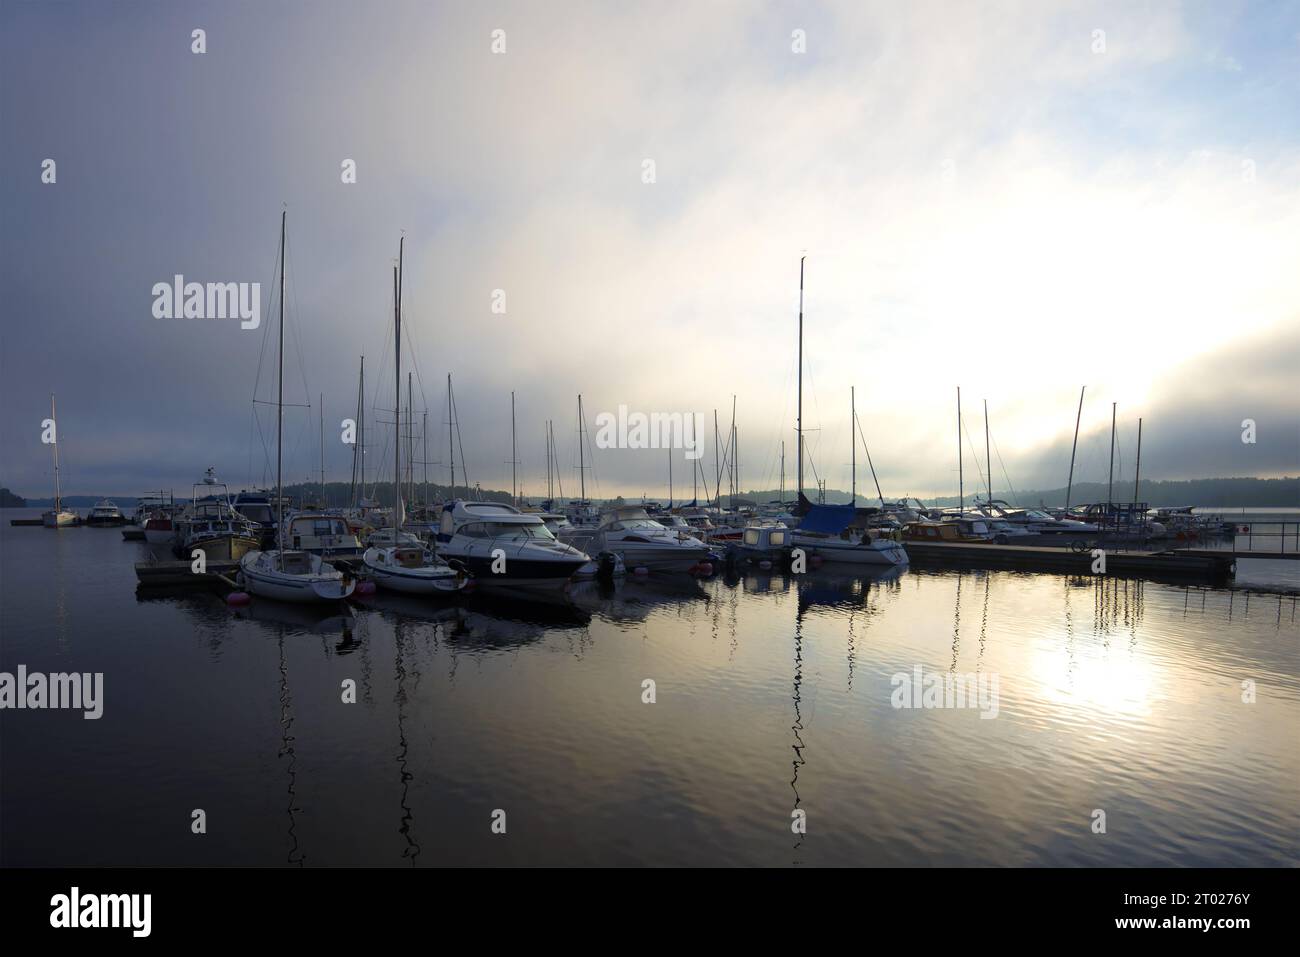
{"points": [[105, 514], [828, 532], [640, 541], [385, 538], [321, 533], [502, 546], [970, 528], [1034, 520], [769, 542]]}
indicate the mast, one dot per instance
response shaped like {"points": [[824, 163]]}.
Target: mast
{"points": [[1137, 472], [359, 447], [397, 399], [781, 496], [853, 461], [279, 411], [1070, 483], [717, 461], [961, 494], [322, 448], [550, 491], [582, 473], [1110, 479], [988, 462], [670, 478], [424, 456], [514, 454], [58, 491], [799, 413], [451, 446]]}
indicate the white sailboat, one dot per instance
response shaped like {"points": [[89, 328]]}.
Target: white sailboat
{"points": [[57, 517], [400, 566], [289, 575]]}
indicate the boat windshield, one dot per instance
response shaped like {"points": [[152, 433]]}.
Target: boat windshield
{"points": [[637, 523], [516, 531]]}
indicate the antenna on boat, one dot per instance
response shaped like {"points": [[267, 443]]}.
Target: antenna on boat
{"points": [[1074, 448]]}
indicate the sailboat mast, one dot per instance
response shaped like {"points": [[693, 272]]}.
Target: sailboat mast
{"points": [[717, 460], [853, 438], [961, 492], [781, 496], [1074, 448], [397, 403], [799, 413], [670, 477], [451, 445], [58, 490], [358, 446], [1137, 473], [424, 456], [322, 448], [279, 410], [582, 468], [514, 455], [1110, 478], [988, 462]]}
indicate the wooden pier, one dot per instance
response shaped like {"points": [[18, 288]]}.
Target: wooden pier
{"points": [[219, 574], [1180, 565]]}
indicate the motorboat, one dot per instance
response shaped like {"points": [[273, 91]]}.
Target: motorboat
{"points": [[106, 514], [210, 524], [829, 532], [387, 538], [504, 547], [641, 542], [762, 543], [321, 533], [412, 569]]}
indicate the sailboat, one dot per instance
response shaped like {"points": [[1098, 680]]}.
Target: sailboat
{"points": [[399, 566], [57, 517], [277, 573]]}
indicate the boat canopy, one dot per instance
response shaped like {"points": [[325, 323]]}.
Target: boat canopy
{"points": [[828, 519]]}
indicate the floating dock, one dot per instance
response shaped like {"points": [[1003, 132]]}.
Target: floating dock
{"points": [[1181, 565], [219, 574]]}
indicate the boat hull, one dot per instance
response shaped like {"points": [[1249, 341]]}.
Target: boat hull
{"points": [[59, 519], [292, 588], [887, 554], [222, 548], [425, 580]]}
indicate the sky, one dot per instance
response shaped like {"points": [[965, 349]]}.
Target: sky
{"points": [[1017, 199]]}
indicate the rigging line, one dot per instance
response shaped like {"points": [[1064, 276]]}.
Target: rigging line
{"points": [[460, 445], [1015, 496], [978, 470], [294, 324]]}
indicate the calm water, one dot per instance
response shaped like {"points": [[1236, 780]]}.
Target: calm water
{"points": [[773, 694]]}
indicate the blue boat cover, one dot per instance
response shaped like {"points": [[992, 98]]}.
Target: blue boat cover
{"points": [[829, 519]]}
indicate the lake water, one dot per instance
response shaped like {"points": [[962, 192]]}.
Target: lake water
{"points": [[773, 695]]}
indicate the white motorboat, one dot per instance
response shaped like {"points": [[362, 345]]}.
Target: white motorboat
{"points": [[321, 533], [504, 547], [280, 573], [105, 514], [827, 532], [400, 565], [640, 541]]}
